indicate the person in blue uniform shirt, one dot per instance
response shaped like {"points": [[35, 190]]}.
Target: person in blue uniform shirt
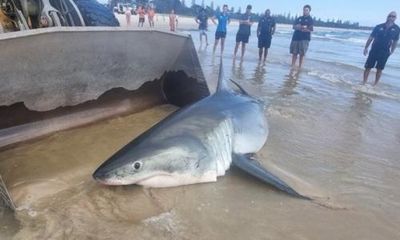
{"points": [[384, 39], [303, 26], [265, 29]]}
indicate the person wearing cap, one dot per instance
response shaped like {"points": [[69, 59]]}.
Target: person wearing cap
{"points": [[265, 29], [303, 26], [244, 31], [223, 20], [384, 40]]}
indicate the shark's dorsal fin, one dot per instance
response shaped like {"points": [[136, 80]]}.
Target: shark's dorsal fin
{"points": [[222, 84]]}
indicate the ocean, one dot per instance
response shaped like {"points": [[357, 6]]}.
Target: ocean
{"points": [[330, 137]]}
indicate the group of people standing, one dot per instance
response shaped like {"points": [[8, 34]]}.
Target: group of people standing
{"points": [[141, 11], [265, 30], [384, 37]]}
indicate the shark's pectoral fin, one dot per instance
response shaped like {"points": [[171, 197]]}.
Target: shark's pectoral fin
{"points": [[254, 168]]}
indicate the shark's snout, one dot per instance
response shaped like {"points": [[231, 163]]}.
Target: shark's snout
{"points": [[100, 175]]}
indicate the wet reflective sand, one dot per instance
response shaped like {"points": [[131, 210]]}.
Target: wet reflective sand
{"points": [[51, 183]]}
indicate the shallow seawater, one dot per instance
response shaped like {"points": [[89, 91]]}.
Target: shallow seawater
{"points": [[329, 137]]}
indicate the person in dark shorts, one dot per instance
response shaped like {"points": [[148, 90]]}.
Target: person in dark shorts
{"points": [[303, 26], [384, 40], [265, 29], [244, 31], [141, 12], [220, 33], [202, 20]]}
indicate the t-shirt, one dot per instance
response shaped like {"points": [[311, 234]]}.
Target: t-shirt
{"points": [[265, 25], [244, 28], [222, 22], [203, 18], [384, 37], [303, 21]]}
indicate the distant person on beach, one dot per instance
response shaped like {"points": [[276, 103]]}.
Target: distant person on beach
{"points": [[128, 14], [202, 20], [141, 12], [303, 26], [150, 16], [173, 21], [220, 33], [265, 29], [384, 40], [244, 31]]}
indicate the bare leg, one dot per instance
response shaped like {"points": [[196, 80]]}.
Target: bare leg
{"points": [[206, 39], [201, 38], [260, 53], [378, 76], [265, 54], [366, 74], [243, 50], [301, 60], [216, 44], [222, 45], [236, 48], [294, 59]]}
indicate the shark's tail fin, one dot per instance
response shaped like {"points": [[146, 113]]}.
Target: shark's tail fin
{"points": [[222, 84], [255, 169]]}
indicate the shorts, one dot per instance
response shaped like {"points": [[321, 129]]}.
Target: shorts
{"points": [[244, 38], [299, 47], [203, 31], [219, 35], [141, 20], [377, 59], [264, 42]]}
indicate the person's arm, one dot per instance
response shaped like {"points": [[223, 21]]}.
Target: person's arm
{"points": [[309, 27], [394, 45], [297, 25], [273, 28], [370, 39], [259, 28], [213, 20]]}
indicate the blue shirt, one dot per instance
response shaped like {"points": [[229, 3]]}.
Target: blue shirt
{"points": [[384, 37], [304, 21], [222, 22]]}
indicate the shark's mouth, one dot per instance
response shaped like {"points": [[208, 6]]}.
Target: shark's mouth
{"points": [[161, 180]]}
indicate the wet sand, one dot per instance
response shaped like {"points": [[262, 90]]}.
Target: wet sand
{"points": [[57, 199]]}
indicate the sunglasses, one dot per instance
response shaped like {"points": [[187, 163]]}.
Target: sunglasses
{"points": [[392, 16]]}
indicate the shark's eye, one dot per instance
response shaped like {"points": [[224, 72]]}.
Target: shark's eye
{"points": [[137, 165]]}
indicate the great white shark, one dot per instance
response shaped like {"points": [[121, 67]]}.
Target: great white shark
{"points": [[197, 144]]}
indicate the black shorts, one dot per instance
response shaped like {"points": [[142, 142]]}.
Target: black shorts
{"points": [[219, 35], [264, 42], [244, 38], [377, 59], [141, 20]]}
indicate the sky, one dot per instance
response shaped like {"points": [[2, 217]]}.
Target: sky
{"points": [[366, 12]]}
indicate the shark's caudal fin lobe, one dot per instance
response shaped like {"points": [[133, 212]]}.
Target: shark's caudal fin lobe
{"points": [[255, 169]]}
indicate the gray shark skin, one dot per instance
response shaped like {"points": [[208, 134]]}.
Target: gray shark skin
{"points": [[196, 144]]}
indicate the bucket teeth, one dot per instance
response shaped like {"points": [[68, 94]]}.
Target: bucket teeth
{"points": [[5, 195]]}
